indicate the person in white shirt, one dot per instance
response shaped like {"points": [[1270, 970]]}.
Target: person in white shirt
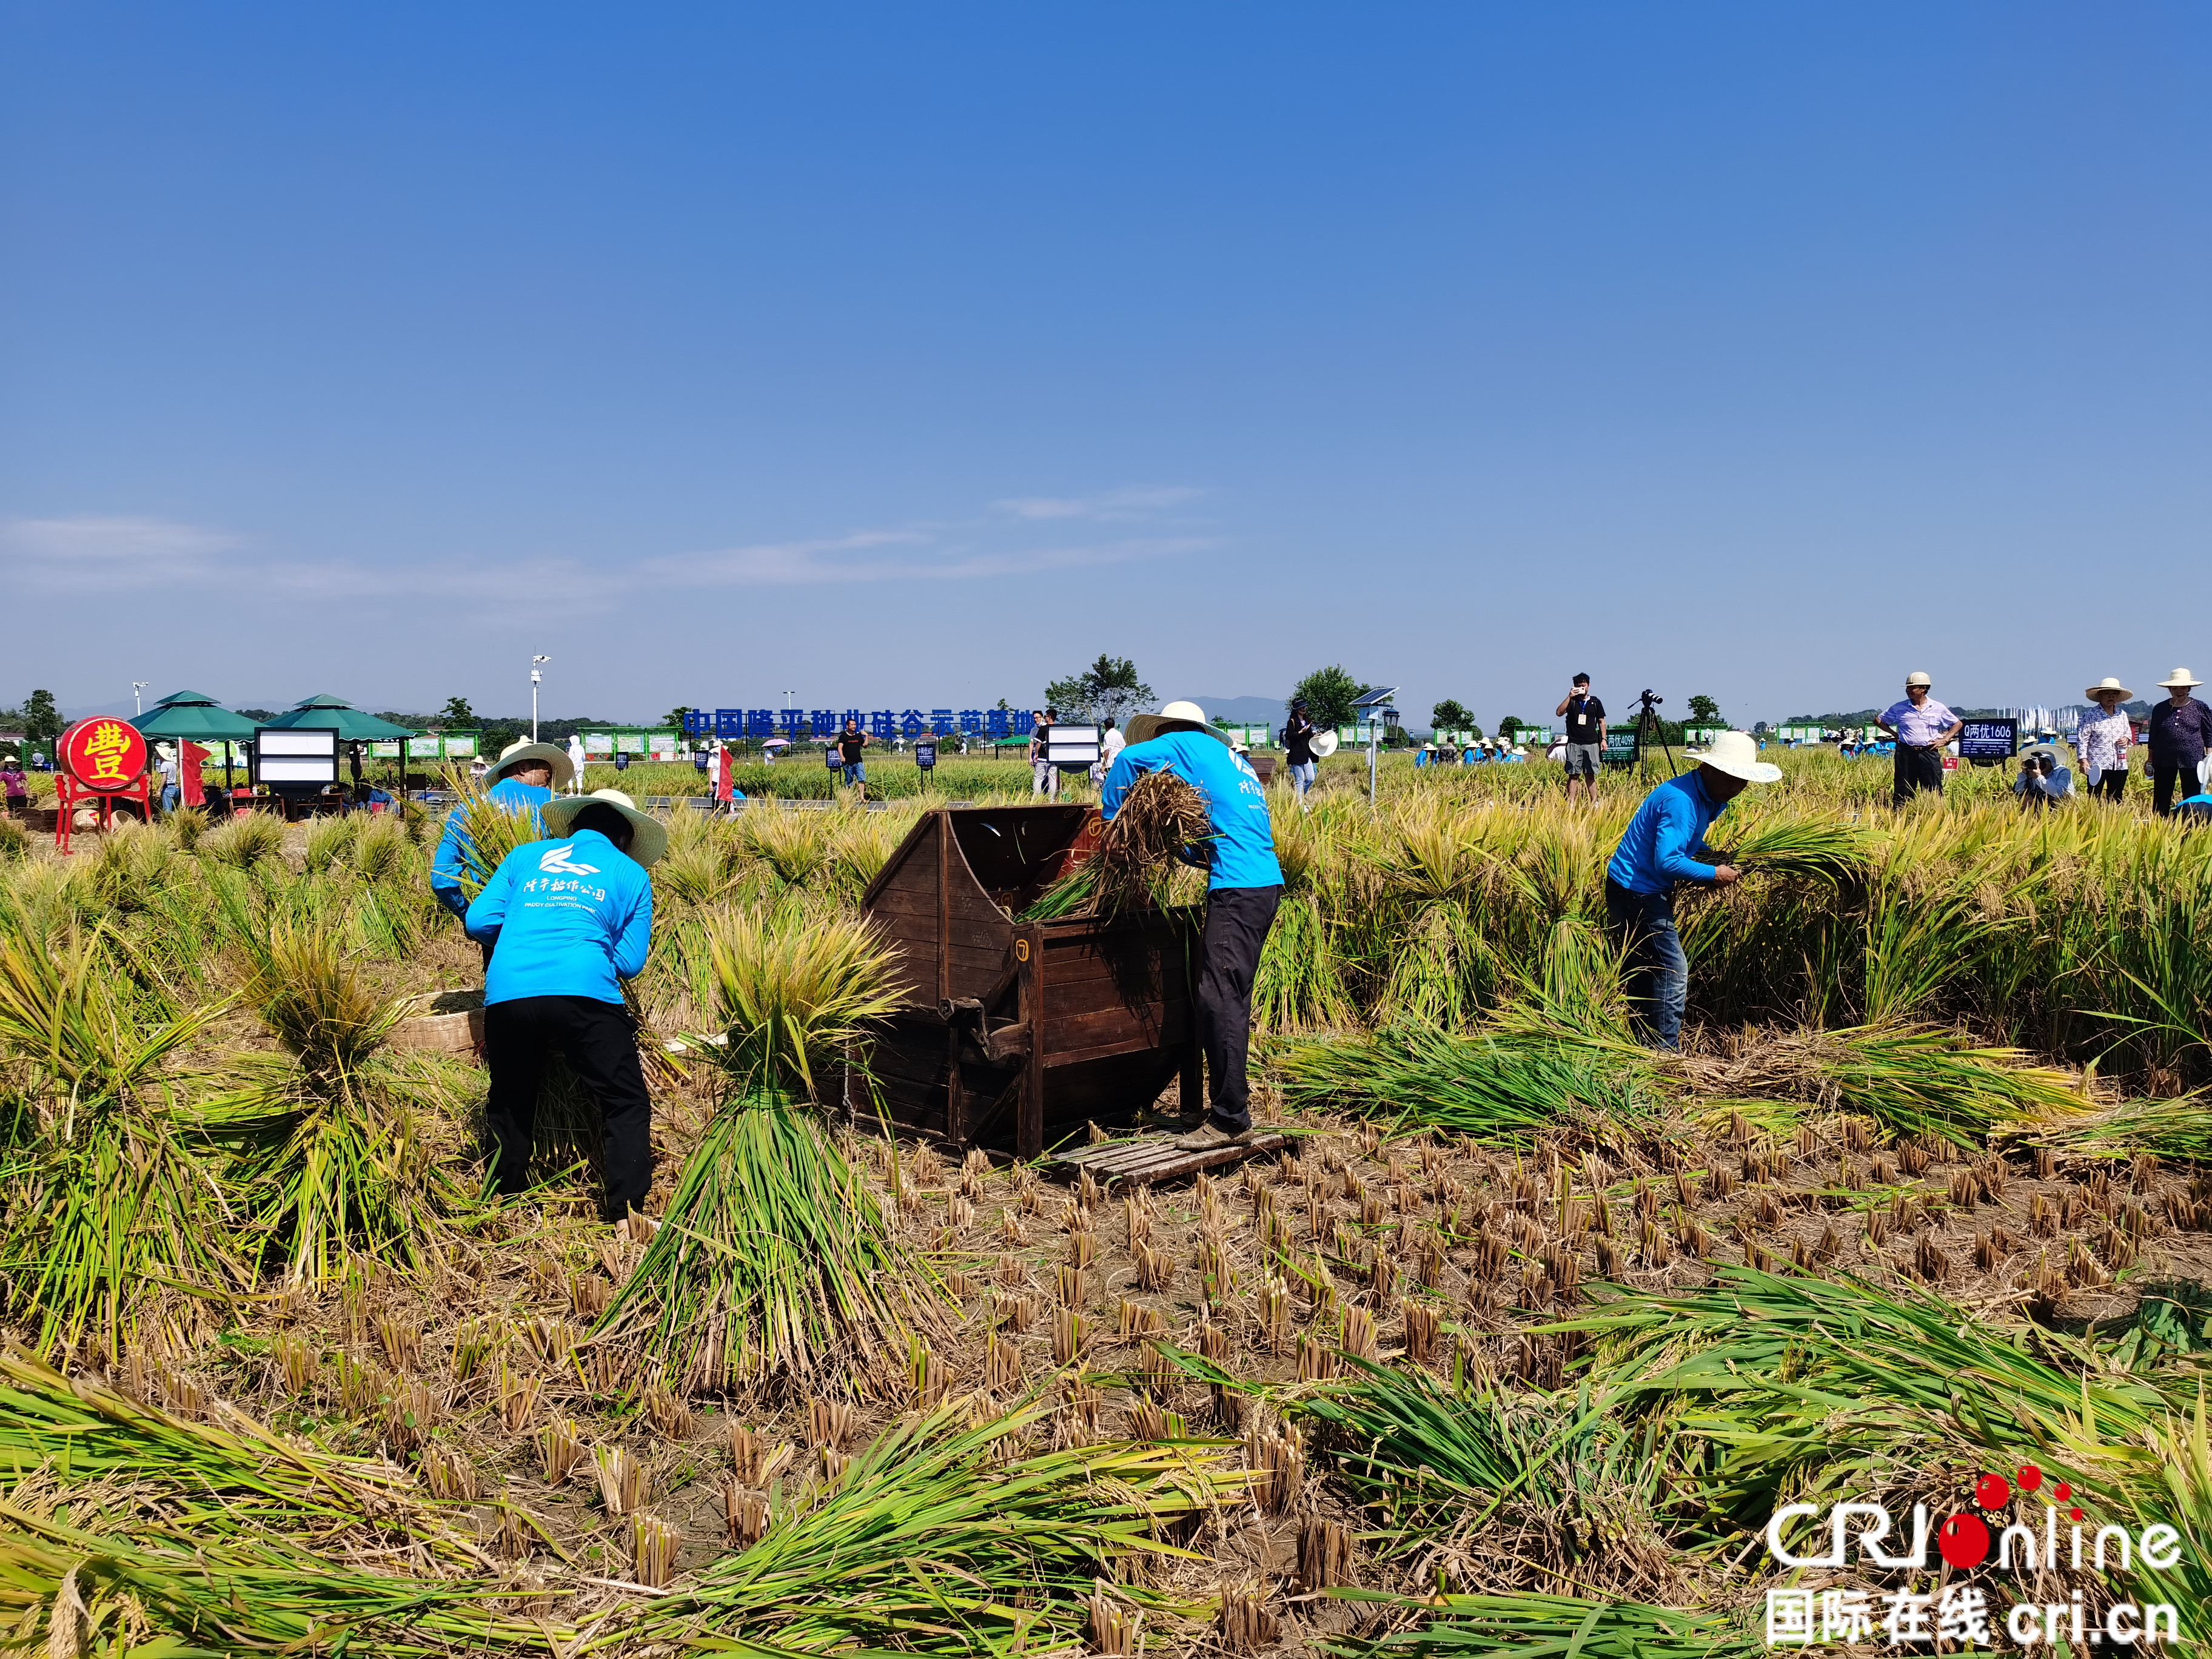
{"points": [[2103, 740]]}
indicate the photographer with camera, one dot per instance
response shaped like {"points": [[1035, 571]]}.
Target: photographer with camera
{"points": [[1661, 846], [1586, 717]]}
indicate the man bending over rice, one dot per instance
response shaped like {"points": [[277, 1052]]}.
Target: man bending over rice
{"points": [[1245, 884]]}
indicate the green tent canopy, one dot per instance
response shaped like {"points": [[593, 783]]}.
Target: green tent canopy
{"points": [[195, 717], [327, 713]]}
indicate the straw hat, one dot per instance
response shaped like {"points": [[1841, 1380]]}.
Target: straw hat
{"points": [[2108, 683], [649, 834], [1174, 717], [1734, 753], [2181, 677], [1323, 745], [1917, 677], [520, 753]]}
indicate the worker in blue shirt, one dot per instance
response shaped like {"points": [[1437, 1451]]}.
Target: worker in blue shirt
{"points": [[1244, 886], [522, 781], [1660, 847], [569, 920]]}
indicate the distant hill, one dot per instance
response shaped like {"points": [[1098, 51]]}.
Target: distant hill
{"points": [[1244, 710]]}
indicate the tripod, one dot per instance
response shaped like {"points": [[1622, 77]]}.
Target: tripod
{"points": [[1647, 727]]}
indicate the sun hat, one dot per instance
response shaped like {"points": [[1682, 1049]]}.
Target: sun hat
{"points": [[2181, 677], [1174, 717], [1917, 677], [649, 834], [2108, 683], [520, 753], [1735, 754], [1323, 745]]}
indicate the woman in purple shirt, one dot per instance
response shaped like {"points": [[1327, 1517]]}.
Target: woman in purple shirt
{"points": [[18, 788]]}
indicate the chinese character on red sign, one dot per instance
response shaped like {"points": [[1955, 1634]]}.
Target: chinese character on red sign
{"points": [[104, 753]]}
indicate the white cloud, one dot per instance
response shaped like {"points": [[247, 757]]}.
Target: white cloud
{"points": [[93, 551], [853, 559], [1114, 506]]}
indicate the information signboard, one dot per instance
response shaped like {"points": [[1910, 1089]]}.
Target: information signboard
{"points": [[423, 748], [1620, 745], [1986, 742], [1073, 745], [301, 754]]}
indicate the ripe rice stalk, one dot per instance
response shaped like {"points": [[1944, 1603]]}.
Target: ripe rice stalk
{"points": [[1502, 1090], [1161, 818], [951, 1537], [1537, 1626], [110, 1197], [489, 831], [337, 1155], [769, 1225]]}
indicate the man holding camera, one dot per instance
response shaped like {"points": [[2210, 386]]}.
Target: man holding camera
{"points": [[1921, 727], [1586, 717]]}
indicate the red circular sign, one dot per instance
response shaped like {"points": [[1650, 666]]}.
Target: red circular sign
{"points": [[104, 753]]}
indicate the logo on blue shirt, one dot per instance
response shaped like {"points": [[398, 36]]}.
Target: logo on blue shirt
{"points": [[556, 858]]}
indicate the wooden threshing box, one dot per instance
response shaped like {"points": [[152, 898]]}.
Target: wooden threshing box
{"points": [[1046, 1023]]}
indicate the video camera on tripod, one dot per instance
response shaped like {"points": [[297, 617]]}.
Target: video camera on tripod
{"points": [[1647, 725]]}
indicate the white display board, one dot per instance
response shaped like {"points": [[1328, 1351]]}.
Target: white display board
{"points": [[300, 755], [1072, 746]]}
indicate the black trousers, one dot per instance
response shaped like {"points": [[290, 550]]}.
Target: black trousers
{"points": [[2163, 776], [1917, 770], [2110, 785], [598, 1040], [1237, 923]]}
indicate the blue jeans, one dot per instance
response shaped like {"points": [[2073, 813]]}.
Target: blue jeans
{"points": [[1658, 977], [856, 772], [1302, 775], [171, 795]]}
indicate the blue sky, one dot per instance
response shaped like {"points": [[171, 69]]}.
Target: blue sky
{"points": [[915, 355]]}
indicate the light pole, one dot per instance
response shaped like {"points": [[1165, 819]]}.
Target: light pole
{"points": [[535, 677], [1376, 705], [137, 696]]}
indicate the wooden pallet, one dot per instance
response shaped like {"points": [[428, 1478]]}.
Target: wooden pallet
{"points": [[1148, 1159]]}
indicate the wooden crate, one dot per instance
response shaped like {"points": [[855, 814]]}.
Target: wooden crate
{"points": [[1024, 1026]]}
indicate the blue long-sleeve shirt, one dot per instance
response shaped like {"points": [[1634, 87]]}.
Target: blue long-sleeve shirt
{"points": [[448, 864], [1242, 851], [1659, 845], [571, 919]]}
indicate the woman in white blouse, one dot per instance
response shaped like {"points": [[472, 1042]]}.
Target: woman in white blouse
{"points": [[2103, 740]]}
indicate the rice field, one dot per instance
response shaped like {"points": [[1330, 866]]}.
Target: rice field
{"points": [[1513, 1351]]}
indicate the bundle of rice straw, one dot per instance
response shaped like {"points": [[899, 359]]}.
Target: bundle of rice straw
{"points": [[1160, 817]]}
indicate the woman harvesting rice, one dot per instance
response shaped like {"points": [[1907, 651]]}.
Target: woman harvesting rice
{"points": [[1245, 883]]}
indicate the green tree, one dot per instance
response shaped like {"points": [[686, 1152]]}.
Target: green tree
{"points": [[1329, 694], [1451, 715], [458, 714], [1107, 690], [42, 722], [1704, 711], [1510, 727], [675, 721]]}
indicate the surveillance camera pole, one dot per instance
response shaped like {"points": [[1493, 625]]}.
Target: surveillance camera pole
{"points": [[138, 696], [534, 677]]}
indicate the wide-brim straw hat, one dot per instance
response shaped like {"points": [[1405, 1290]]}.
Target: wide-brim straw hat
{"points": [[1323, 745], [2107, 683], [1737, 754], [521, 754], [2181, 677], [1175, 717], [649, 834]]}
